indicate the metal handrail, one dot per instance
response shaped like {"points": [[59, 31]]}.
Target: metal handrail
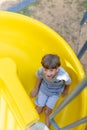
{"points": [[68, 99], [79, 122], [84, 18], [82, 51], [83, 21]]}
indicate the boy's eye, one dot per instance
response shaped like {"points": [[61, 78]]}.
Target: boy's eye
{"points": [[45, 69]]}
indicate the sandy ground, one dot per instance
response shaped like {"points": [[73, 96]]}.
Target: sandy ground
{"points": [[63, 16], [4, 4]]}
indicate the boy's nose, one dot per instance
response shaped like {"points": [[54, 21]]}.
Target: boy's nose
{"points": [[48, 73]]}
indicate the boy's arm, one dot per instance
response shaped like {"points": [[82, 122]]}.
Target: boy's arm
{"points": [[67, 84], [66, 89], [36, 89]]}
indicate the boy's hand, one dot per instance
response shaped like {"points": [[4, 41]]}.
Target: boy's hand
{"points": [[64, 93], [36, 88], [34, 93]]}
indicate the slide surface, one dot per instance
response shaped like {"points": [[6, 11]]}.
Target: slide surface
{"points": [[25, 41], [16, 109]]}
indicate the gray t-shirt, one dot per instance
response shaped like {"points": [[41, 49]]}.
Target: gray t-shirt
{"points": [[56, 85]]}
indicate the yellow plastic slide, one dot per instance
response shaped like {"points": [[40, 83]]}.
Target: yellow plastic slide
{"points": [[23, 42]]}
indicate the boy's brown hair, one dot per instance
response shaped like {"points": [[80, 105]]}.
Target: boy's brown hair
{"points": [[50, 61]]}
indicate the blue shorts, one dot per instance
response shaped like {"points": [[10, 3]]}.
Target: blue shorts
{"points": [[44, 100]]}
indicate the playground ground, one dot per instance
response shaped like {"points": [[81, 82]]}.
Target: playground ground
{"points": [[62, 16]]}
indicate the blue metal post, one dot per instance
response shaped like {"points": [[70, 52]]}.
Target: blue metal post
{"points": [[20, 5]]}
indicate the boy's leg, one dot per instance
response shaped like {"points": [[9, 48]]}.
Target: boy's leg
{"points": [[39, 109], [40, 101], [48, 111], [49, 107]]}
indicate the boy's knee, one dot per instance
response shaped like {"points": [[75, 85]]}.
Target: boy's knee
{"points": [[47, 111], [39, 109]]}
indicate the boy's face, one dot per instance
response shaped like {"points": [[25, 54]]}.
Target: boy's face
{"points": [[50, 73]]}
